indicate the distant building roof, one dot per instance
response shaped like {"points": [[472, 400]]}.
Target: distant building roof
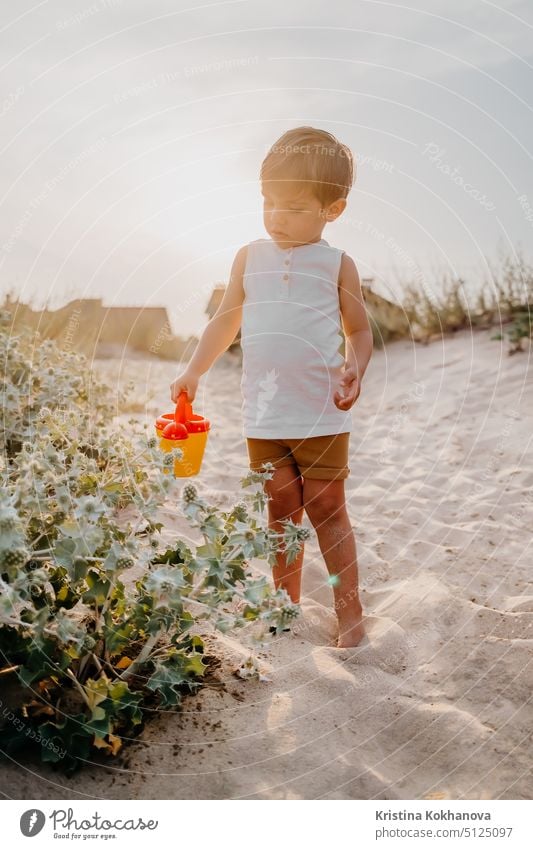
{"points": [[85, 324], [215, 300]]}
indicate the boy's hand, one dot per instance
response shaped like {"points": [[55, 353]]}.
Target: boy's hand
{"points": [[187, 382], [350, 389]]}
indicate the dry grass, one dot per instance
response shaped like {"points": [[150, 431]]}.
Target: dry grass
{"points": [[504, 301]]}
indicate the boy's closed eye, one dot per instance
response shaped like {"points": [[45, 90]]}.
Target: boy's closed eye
{"points": [[288, 208]]}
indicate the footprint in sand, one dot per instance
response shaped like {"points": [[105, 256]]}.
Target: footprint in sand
{"points": [[316, 624], [384, 646]]}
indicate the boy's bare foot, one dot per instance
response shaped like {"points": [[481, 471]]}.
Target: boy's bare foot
{"points": [[350, 633]]}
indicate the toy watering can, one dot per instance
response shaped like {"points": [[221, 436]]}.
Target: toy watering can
{"points": [[183, 429]]}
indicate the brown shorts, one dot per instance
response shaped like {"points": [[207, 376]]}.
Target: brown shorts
{"points": [[319, 457]]}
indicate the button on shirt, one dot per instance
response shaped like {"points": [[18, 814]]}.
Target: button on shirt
{"points": [[291, 338]]}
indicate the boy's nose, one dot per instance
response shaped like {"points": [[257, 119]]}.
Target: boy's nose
{"points": [[277, 216]]}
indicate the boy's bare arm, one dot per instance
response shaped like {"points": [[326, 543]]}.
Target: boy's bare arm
{"points": [[219, 333], [359, 341]]}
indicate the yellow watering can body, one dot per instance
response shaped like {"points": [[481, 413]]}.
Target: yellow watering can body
{"points": [[186, 430]]}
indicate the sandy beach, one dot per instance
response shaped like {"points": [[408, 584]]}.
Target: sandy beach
{"points": [[436, 702]]}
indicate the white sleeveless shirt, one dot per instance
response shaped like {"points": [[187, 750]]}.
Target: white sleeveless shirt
{"points": [[291, 339]]}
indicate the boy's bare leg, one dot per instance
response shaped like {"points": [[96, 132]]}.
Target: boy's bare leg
{"points": [[285, 491], [337, 543], [288, 577], [326, 507]]}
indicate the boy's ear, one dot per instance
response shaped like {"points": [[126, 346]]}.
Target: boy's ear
{"points": [[334, 209]]}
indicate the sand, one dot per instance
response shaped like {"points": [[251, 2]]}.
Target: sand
{"points": [[436, 702]]}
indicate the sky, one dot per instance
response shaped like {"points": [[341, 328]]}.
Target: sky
{"points": [[133, 133]]}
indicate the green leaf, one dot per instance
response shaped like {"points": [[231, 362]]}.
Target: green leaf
{"points": [[64, 551], [113, 487], [118, 637], [196, 665], [98, 588], [41, 662]]}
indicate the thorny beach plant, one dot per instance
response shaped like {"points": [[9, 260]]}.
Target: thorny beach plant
{"points": [[99, 621]]}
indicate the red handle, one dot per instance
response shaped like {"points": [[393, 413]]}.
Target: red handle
{"points": [[183, 411]]}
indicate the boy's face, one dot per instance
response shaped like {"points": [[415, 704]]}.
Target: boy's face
{"points": [[293, 215]]}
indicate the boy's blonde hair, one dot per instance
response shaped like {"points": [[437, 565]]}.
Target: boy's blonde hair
{"points": [[315, 157]]}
